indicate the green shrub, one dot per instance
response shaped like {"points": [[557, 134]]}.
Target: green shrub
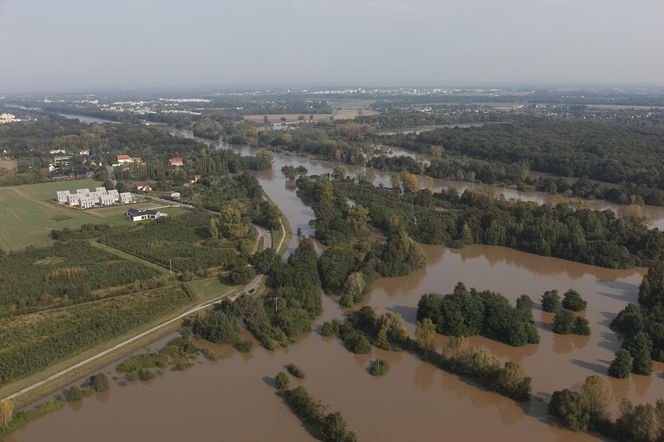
{"points": [[621, 366], [281, 381], [563, 322], [295, 371], [73, 394], [99, 382], [327, 329], [146, 375], [571, 408], [242, 346], [357, 343], [551, 301], [378, 367], [573, 301], [346, 300], [581, 326], [209, 354]]}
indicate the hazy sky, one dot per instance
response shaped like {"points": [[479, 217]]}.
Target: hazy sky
{"points": [[87, 44]]}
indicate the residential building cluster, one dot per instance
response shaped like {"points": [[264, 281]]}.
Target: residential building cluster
{"points": [[87, 199], [9, 118]]}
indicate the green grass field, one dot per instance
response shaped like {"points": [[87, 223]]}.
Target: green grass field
{"points": [[29, 213], [208, 288]]}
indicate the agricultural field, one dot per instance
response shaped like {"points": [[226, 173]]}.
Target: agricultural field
{"points": [[67, 272], [349, 109], [29, 213], [34, 341], [185, 243]]}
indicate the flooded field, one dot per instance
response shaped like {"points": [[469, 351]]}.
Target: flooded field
{"points": [[415, 401], [231, 399]]}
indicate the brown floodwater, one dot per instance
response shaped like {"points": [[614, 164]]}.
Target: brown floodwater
{"points": [[231, 399]]}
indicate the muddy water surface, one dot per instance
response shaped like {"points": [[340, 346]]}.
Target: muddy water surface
{"points": [[231, 399]]}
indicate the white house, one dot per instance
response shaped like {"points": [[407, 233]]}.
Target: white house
{"points": [[74, 199], [63, 196], [143, 187], [84, 192], [107, 200], [61, 159], [114, 193], [125, 198], [140, 215], [100, 190], [87, 202]]}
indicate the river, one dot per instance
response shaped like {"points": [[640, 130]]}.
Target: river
{"points": [[230, 399]]}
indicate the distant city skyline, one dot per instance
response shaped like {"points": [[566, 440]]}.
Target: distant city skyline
{"points": [[77, 45]]}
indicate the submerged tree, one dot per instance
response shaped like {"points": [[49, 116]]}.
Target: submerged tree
{"points": [[621, 366]]}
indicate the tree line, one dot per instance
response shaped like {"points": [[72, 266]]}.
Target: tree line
{"points": [[593, 237], [469, 312]]}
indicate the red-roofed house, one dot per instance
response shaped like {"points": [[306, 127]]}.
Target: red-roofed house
{"points": [[143, 187], [122, 159], [176, 161]]}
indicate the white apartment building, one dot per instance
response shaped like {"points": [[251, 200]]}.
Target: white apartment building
{"points": [[125, 198], [114, 193], [63, 196], [84, 192], [107, 200], [74, 199], [95, 196], [87, 202]]}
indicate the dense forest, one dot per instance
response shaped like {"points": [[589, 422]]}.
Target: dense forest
{"points": [[593, 237], [469, 312], [352, 261], [642, 326], [284, 313], [587, 408], [607, 152]]}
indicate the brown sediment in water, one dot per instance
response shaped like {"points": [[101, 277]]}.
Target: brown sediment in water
{"points": [[415, 401], [231, 399]]}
